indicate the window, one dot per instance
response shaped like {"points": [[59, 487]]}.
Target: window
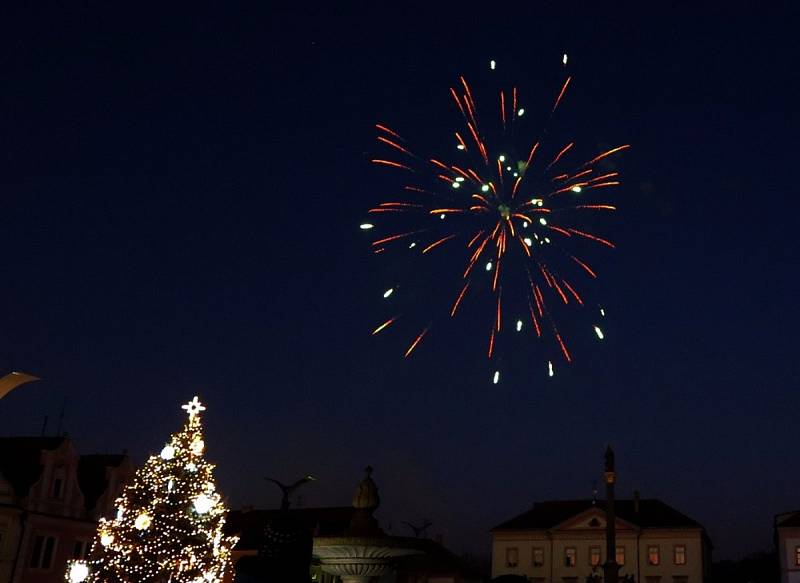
{"points": [[680, 555], [653, 555], [57, 484], [570, 556], [42, 555], [594, 556], [512, 557], [680, 579], [797, 556], [538, 556], [620, 557], [81, 549]]}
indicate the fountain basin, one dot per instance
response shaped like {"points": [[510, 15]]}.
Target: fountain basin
{"points": [[360, 559]]}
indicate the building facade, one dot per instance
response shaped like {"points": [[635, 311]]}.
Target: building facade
{"points": [[564, 542], [50, 501], [787, 542]]}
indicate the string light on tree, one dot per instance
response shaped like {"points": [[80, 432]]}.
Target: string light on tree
{"points": [[143, 522], [169, 522], [78, 572]]}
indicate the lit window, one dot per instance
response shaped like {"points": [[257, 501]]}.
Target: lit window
{"points": [[797, 556], [653, 555], [538, 556], [680, 554], [620, 557], [570, 556], [512, 557], [594, 556], [42, 555]]}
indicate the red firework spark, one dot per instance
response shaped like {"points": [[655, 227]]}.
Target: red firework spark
{"points": [[513, 210]]}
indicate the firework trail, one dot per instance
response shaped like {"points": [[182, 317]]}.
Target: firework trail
{"points": [[510, 215]]}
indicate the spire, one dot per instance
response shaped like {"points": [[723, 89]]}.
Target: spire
{"points": [[609, 459]]}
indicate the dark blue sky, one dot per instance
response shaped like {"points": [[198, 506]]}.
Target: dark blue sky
{"points": [[181, 193]]}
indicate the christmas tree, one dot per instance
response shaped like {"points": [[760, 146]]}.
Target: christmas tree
{"points": [[169, 521]]}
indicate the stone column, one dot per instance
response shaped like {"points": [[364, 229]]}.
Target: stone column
{"points": [[611, 569]]}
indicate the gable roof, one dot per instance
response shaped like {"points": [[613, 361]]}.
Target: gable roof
{"points": [[652, 513], [92, 475], [436, 559], [789, 520], [20, 459]]}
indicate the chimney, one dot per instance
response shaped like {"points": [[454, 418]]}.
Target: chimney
{"points": [[439, 538], [636, 501]]}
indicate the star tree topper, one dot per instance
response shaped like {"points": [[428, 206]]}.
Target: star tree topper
{"points": [[193, 407]]}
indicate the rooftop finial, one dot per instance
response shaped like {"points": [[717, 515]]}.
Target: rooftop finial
{"points": [[366, 494]]}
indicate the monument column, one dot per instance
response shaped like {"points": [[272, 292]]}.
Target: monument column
{"points": [[610, 568]]}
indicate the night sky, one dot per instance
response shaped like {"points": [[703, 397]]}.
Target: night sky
{"points": [[181, 193]]}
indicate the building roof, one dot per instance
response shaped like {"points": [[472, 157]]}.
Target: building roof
{"points": [[92, 475], [20, 459], [652, 513], [249, 524], [437, 560], [788, 520]]}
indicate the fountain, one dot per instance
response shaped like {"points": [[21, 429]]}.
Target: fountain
{"points": [[365, 552]]}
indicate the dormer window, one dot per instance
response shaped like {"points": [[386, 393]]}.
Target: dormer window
{"points": [[57, 485], [57, 488], [594, 522]]}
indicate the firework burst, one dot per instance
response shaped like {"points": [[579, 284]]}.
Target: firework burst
{"points": [[508, 213]]}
